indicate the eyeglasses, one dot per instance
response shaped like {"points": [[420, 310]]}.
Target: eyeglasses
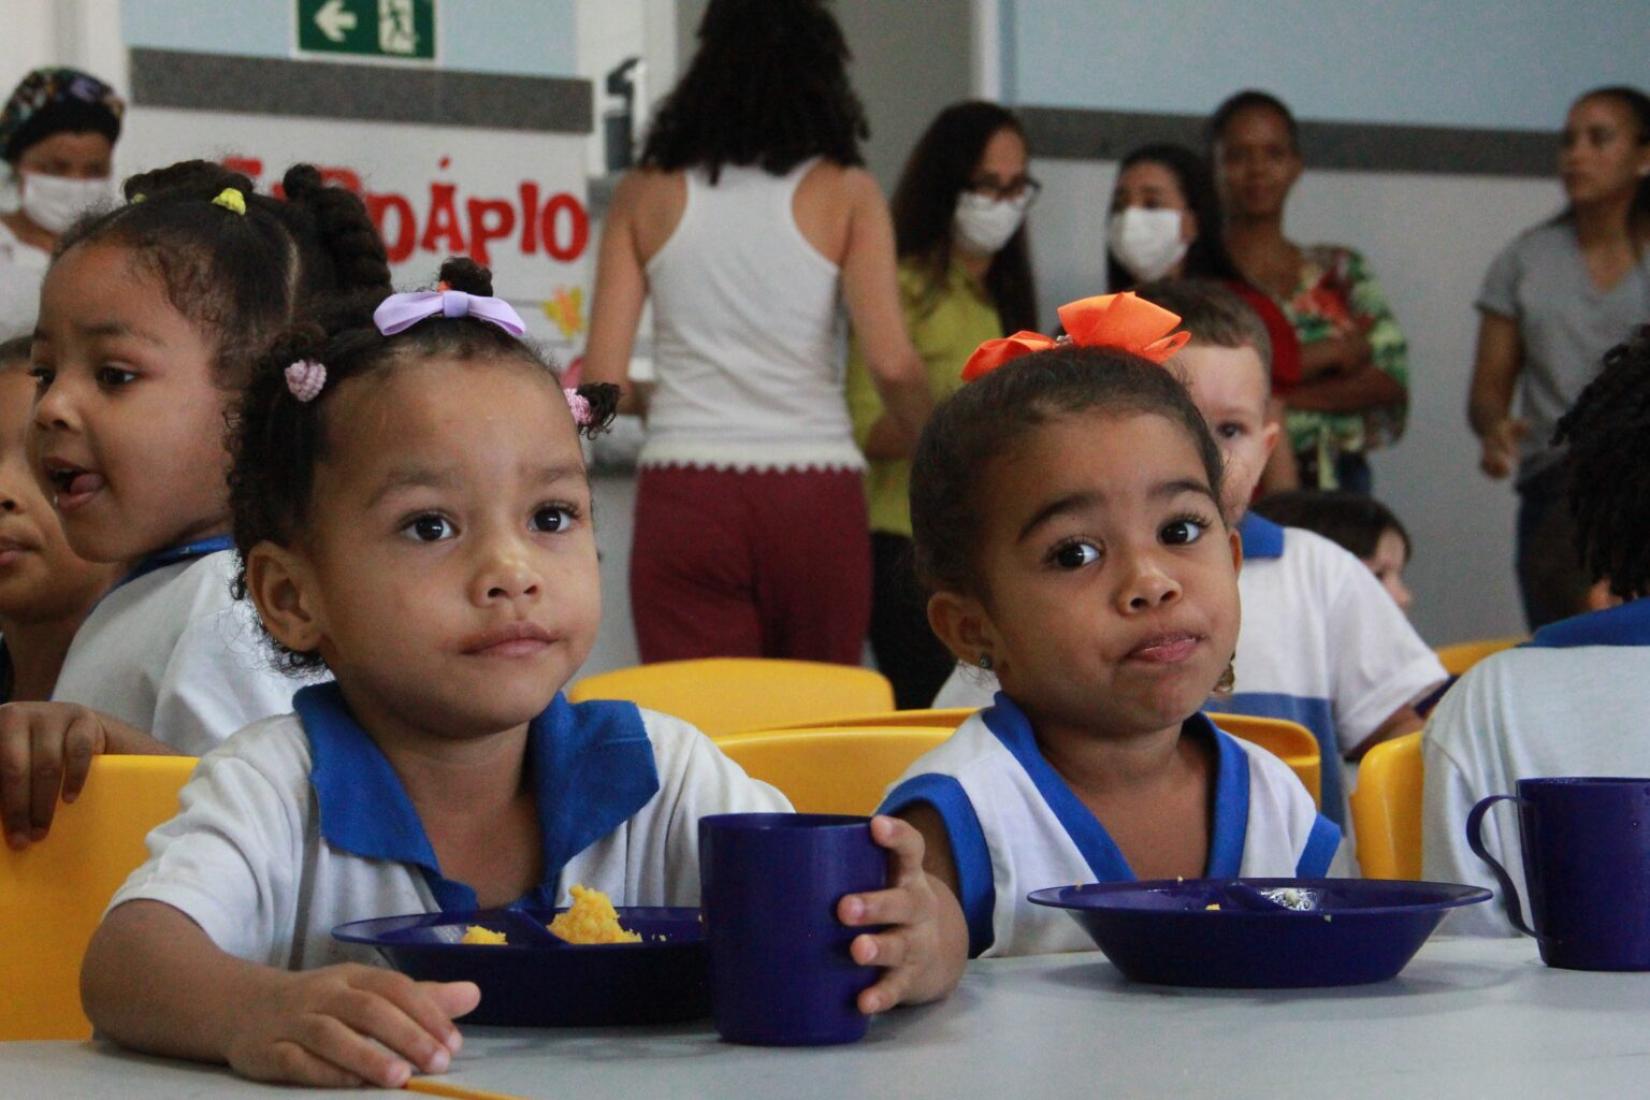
{"points": [[1021, 187]]}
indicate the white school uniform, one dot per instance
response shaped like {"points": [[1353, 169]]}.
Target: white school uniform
{"points": [[172, 653], [1573, 701], [299, 823], [1322, 644], [1015, 826]]}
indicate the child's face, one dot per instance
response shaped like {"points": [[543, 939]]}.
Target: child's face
{"points": [[128, 419], [1111, 598], [449, 568], [41, 579], [1230, 388], [1387, 563]]}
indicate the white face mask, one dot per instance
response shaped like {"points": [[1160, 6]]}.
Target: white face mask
{"points": [[54, 202], [983, 225], [1146, 242]]}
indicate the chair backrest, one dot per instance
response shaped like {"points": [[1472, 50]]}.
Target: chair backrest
{"points": [[831, 770], [947, 718], [1386, 809], [1461, 656], [1289, 741], [52, 894], [726, 694]]}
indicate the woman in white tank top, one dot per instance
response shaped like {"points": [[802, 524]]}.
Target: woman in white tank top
{"points": [[751, 226]]}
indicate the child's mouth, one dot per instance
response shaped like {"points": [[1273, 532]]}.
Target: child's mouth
{"points": [[1165, 649], [75, 485]]}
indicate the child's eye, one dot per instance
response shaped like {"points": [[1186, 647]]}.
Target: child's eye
{"points": [[1183, 531], [1230, 430], [42, 376], [113, 377], [429, 528], [1074, 555], [552, 518]]}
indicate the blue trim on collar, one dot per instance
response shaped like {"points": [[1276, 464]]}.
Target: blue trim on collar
{"points": [[1261, 537], [1321, 845], [1627, 624], [174, 554], [970, 855], [1317, 715], [591, 767], [1228, 830]]}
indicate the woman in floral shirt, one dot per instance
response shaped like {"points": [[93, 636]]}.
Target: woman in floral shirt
{"points": [[1355, 380]]}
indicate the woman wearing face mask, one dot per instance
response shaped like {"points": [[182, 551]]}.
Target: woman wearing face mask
{"points": [[965, 277], [57, 134]]}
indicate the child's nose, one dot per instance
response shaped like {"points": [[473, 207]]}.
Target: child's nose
{"points": [[1149, 586], [507, 574], [53, 408]]}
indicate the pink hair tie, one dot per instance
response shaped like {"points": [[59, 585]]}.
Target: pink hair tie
{"points": [[579, 406], [305, 379]]}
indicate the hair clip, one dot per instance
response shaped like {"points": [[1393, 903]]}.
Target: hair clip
{"points": [[231, 199], [400, 312], [579, 406], [304, 378], [1123, 321], [137, 198]]}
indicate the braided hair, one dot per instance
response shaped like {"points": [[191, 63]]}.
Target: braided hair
{"points": [[1608, 433], [242, 277], [277, 441], [768, 86]]}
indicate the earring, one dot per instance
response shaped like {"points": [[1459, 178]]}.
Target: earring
{"points": [[1228, 680], [986, 662]]}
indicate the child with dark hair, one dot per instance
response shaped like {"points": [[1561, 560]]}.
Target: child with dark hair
{"points": [[1572, 700], [1358, 524], [413, 513], [151, 317], [1066, 509]]}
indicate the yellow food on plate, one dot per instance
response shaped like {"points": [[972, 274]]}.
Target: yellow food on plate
{"points": [[592, 919], [477, 934]]}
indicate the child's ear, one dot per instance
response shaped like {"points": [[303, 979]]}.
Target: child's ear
{"points": [[961, 623], [282, 587], [1271, 429], [1236, 541]]}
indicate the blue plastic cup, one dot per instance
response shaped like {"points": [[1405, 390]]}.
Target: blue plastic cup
{"points": [[780, 971]]}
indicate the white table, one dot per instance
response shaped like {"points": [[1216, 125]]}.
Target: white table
{"points": [[1466, 1018]]}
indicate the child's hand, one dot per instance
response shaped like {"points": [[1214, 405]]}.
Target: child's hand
{"points": [[45, 748], [350, 1025], [926, 946]]}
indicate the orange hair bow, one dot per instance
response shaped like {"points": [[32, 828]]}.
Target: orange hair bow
{"points": [[1124, 321]]}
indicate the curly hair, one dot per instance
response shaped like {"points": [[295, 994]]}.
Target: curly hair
{"points": [[984, 419], [241, 277], [278, 441], [1608, 434], [768, 86]]}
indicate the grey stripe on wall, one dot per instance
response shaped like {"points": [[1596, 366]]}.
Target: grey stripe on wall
{"points": [[1084, 134], [375, 93]]}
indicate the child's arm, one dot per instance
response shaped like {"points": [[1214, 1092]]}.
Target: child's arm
{"points": [[154, 981], [927, 947], [47, 748]]}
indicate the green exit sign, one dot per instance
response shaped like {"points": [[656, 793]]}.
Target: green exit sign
{"points": [[401, 29]]}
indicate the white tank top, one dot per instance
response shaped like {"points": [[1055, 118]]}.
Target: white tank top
{"points": [[748, 334]]}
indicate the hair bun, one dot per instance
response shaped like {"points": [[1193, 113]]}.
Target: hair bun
{"points": [[462, 273], [189, 179]]}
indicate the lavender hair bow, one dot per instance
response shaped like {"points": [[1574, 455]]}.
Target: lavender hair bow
{"points": [[400, 312]]}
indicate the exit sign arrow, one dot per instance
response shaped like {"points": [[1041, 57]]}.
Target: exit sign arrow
{"points": [[334, 20]]}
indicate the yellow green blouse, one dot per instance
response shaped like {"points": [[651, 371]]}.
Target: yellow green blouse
{"points": [[946, 324]]}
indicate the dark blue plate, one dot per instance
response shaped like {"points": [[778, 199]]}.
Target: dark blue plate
{"points": [[1355, 931], [537, 980]]}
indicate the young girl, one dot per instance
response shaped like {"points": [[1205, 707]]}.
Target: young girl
{"points": [[412, 508], [1359, 524], [151, 317], [1067, 520]]}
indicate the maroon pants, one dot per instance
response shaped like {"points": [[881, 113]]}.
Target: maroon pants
{"points": [[768, 563]]}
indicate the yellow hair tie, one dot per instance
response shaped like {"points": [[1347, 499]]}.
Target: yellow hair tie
{"points": [[231, 199], [137, 198]]}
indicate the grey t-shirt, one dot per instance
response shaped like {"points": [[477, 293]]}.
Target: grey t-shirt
{"points": [[1565, 324]]}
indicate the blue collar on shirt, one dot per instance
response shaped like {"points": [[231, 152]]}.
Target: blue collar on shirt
{"points": [[1628, 624], [1231, 817], [174, 554], [1261, 537], [591, 767]]}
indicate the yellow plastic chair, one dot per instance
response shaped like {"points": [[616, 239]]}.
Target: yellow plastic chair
{"points": [[725, 694], [1461, 656], [1386, 809], [1289, 741], [52, 894], [831, 770], [948, 718]]}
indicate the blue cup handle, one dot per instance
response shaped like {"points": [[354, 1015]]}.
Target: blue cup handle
{"points": [[1475, 841]]}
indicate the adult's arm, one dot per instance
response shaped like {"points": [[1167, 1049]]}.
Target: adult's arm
{"points": [[621, 291], [1362, 388], [1496, 364]]}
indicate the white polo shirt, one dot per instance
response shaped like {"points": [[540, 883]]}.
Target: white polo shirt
{"points": [[1015, 826], [1572, 701], [172, 653], [1322, 644], [299, 823]]}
